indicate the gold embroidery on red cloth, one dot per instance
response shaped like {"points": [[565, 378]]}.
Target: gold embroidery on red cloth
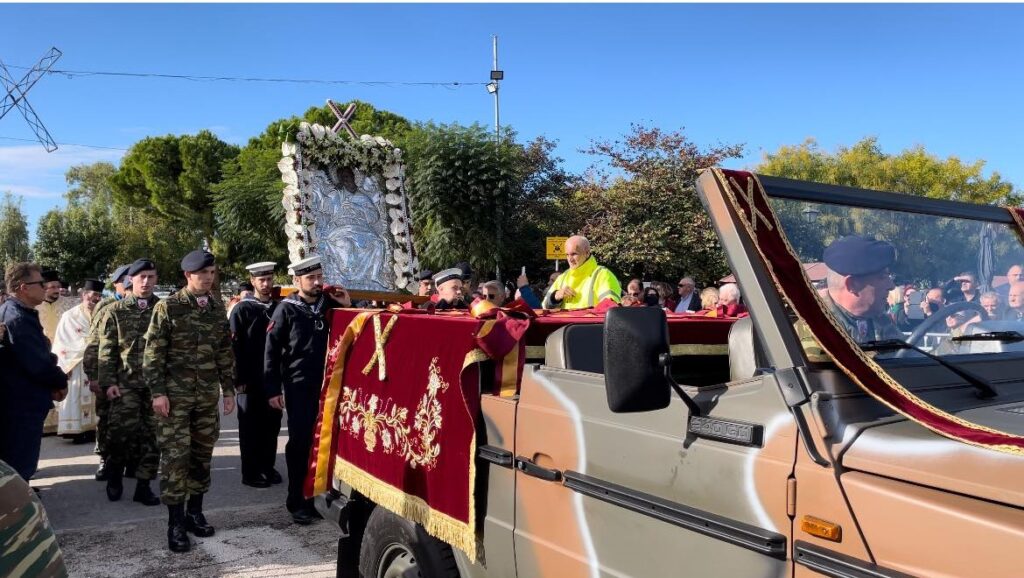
{"points": [[376, 419], [380, 338]]}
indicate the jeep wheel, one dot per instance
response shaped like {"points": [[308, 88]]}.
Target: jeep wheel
{"points": [[394, 547]]}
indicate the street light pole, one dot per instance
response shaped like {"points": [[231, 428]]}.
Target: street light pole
{"points": [[496, 76], [492, 87]]}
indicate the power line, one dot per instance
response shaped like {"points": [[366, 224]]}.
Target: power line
{"points": [[200, 78], [66, 144]]}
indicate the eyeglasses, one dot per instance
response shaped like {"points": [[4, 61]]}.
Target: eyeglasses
{"points": [[40, 283], [635, 293], [681, 285], [490, 296]]}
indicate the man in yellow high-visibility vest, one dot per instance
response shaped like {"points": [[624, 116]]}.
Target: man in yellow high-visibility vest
{"points": [[586, 284]]}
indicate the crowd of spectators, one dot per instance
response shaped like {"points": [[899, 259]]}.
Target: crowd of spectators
{"points": [[911, 305]]}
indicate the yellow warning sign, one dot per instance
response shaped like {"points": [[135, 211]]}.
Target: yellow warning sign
{"points": [[556, 247]]}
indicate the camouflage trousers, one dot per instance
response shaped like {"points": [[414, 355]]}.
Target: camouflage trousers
{"points": [[131, 432], [102, 420], [187, 437]]}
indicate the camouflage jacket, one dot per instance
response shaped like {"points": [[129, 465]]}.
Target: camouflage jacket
{"points": [[90, 359], [188, 347], [874, 329], [30, 546], [864, 329], [122, 343]]}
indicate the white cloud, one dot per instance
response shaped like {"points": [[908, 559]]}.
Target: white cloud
{"points": [[19, 162], [28, 191]]}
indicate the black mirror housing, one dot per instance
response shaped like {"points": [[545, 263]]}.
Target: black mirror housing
{"points": [[635, 339]]}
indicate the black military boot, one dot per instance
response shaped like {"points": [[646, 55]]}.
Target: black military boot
{"points": [[102, 473], [114, 481], [177, 538], [144, 495], [195, 521]]}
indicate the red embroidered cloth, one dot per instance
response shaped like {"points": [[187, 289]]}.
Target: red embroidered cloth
{"points": [[408, 441]]}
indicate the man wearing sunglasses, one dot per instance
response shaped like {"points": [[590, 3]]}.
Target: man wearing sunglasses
{"points": [[31, 380], [688, 298]]}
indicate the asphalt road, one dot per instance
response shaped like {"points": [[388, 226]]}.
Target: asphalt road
{"points": [[255, 535]]}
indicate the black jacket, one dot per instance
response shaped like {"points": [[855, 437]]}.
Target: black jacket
{"points": [[296, 347], [249, 320], [30, 373]]}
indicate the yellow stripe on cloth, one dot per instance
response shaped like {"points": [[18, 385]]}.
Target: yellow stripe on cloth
{"points": [[485, 328], [330, 407], [510, 373]]}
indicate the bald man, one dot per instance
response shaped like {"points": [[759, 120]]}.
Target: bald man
{"points": [[586, 284]]}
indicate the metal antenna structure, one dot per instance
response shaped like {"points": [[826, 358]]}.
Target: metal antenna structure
{"points": [[16, 91]]}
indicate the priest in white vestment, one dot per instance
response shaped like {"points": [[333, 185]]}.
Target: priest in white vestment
{"points": [[77, 413]]}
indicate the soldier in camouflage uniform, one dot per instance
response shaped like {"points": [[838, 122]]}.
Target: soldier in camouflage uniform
{"points": [[121, 346], [29, 544], [89, 365], [858, 284], [187, 363]]}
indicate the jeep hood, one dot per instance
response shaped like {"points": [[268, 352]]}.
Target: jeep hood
{"points": [[907, 451]]}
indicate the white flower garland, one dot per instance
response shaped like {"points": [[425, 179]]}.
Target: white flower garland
{"points": [[375, 157]]}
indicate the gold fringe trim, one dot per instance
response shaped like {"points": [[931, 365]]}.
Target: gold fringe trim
{"points": [[330, 406], [438, 524], [730, 196]]}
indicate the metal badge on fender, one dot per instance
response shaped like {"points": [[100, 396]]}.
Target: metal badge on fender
{"points": [[727, 430]]}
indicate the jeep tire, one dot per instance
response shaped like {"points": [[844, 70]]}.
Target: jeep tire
{"points": [[394, 547]]}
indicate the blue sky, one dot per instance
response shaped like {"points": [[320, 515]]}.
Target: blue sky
{"points": [[945, 76]]}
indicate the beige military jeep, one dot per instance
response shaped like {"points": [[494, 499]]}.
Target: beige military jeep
{"points": [[642, 444]]}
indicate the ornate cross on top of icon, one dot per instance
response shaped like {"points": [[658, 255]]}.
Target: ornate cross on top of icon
{"points": [[343, 118], [15, 92]]}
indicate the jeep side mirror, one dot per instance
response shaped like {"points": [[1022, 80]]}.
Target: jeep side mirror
{"points": [[635, 341]]}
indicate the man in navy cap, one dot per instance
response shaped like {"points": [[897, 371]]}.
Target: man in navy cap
{"points": [[187, 365], [90, 365], [858, 283], [293, 370], [132, 429], [258, 423], [426, 283]]}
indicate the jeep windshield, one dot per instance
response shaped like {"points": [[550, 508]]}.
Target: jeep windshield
{"points": [[955, 288]]}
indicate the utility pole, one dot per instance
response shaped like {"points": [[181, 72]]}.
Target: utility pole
{"points": [[492, 87], [496, 77]]}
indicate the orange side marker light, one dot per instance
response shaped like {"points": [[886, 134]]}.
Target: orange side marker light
{"points": [[821, 528]]}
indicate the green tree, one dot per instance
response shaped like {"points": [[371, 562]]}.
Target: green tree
{"points": [[463, 187], [13, 231], [645, 219], [913, 171], [133, 232], [75, 241], [89, 186], [174, 176]]}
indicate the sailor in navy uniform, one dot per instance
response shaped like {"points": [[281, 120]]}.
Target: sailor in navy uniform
{"points": [[258, 423], [295, 353]]}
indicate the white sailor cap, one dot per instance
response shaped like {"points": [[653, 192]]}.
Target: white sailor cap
{"points": [[447, 275], [262, 268], [305, 266]]}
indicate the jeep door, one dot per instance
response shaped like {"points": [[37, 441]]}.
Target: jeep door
{"points": [[606, 494]]}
